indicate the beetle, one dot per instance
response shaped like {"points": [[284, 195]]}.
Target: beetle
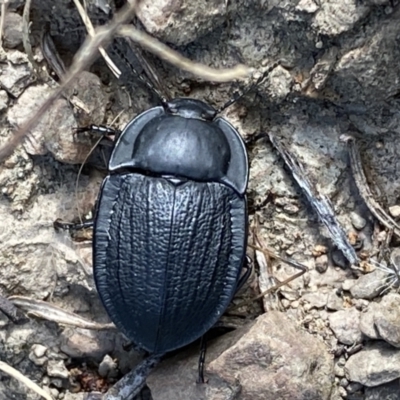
{"points": [[170, 226]]}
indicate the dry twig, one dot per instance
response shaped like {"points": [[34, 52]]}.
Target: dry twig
{"points": [[26, 381], [89, 27], [319, 202], [84, 56], [4, 5], [50, 312], [365, 192], [132, 383], [164, 52]]}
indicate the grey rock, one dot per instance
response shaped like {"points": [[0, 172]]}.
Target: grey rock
{"points": [[367, 321], [369, 286], [388, 391], [39, 350], [54, 133], [3, 100], [280, 82], [37, 354], [80, 343], [354, 387], [75, 396], [252, 360], [387, 319], [264, 357], [394, 211], [57, 369], [108, 367], [376, 364], [16, 73], [334, 302], [335, 17], [181, 22], [343, 382], [309, 6], [12, 35], [345, 325], [348, 284], [358, 221], [321, 263], [316, 299]]}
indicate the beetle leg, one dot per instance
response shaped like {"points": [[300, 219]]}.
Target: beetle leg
{"points": [[107, 133], [243, 279], [132, 383], [202, 359], [70, 226]]}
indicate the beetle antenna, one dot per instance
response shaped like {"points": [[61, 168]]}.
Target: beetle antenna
{"points": [[142, 69], [240, 93]]}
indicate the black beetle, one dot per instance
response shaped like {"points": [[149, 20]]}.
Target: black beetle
{"points": [[170, 227]]}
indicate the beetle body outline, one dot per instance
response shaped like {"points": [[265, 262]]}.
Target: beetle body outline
{"points": [[170, 229]]}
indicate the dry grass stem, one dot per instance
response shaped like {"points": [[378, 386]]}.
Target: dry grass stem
{"points": [[50, 312], [89, 27], [23, 379], [4, 5], [164, 52], [82, 59]]}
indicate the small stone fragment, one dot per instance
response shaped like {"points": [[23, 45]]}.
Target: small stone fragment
{"points": [[12, 35], [279, 84], [37, 354], [321, 263], [357, 221], [369, 286], [16, 73], [319, 249], [308, 6], [376, 364], [334, 301], [316, 299], [39, 350], [353, 387], [387, 319], [345, 325], [108, 367], [57, 369], [3, 100], [181, 21], [335, 17], [348, 284], [367, 318], [84, 343], [394, 211]]}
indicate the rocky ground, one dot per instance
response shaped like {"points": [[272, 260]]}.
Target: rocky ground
{"points": [[334, 332]]}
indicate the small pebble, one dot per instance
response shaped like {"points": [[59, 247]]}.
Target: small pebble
{"points": [[321, 263], [348, 284], [108, 367], [357, 221], [394, 211], [353, 387], [57, 369], [319, 249], [343, 382], [39, 350]]}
